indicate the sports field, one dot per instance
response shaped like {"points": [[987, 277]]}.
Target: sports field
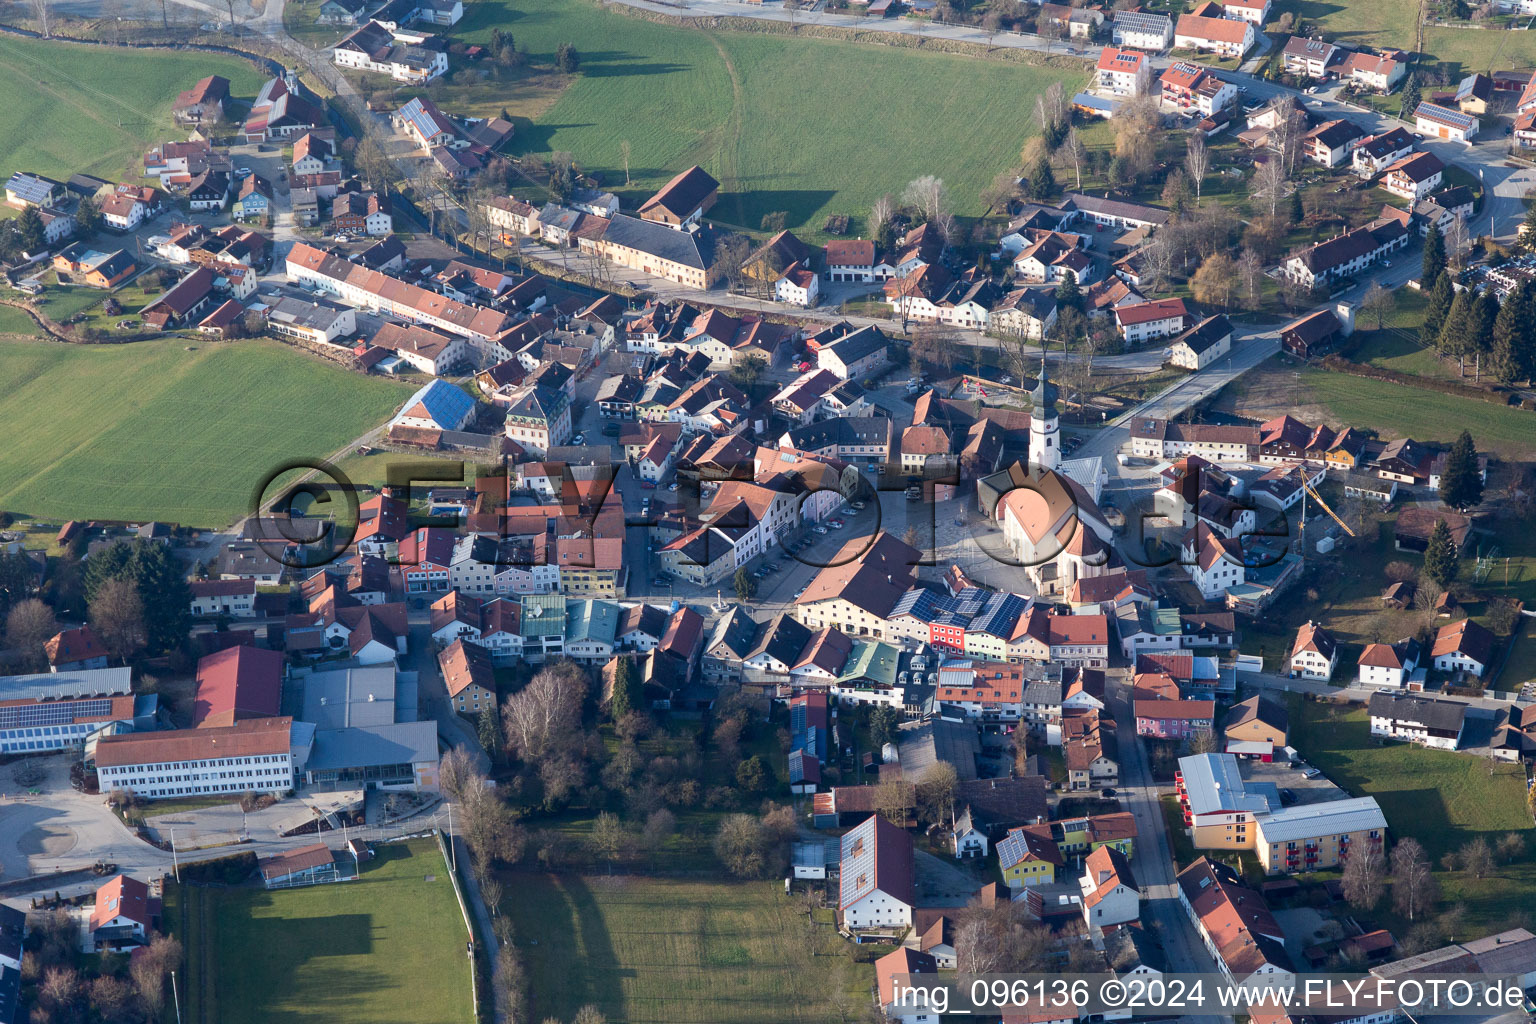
{"points": [[807, 126], [152, 430], [675, 951], [68, 108], [385, 949]]}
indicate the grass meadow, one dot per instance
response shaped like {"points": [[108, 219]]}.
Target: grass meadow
{"points": [[70, 109], [1441, 798], [677, 951], [153, 430], [385, 949], [808, 126]]}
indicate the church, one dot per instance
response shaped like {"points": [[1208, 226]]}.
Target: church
{"points": [[1050, 520]]}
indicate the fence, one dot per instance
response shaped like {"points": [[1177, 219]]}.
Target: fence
{"points": [[458, 892]]}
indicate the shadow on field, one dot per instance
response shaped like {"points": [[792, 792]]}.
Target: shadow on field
{"points": [[595, 979]]}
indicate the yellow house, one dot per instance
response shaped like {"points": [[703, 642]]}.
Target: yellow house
{"points": [[1316, 837], [1084, 835], [1029, 856]]}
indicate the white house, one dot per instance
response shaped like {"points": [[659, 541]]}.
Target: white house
{"points": [[1315, 653], [1214, 563], [1414, 177], [1202, 345], [800, 286], [1256, 11], [1144, 321], [969, 841], [876, 887], [1143, 30], [1389, 666], [1110, 895], [1422, 720], [1123, 72], [236, 598], [1463, 646]]}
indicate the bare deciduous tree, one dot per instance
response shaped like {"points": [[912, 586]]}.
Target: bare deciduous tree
{"points": [[1076, 153], [1268, 187], [42, 10], [624, 151], [1364, 878], [1379, 303], [927, 195], [543, 714], [28, 626], [1413, 883], [117, 615], [880, 214], [1197, 161]]}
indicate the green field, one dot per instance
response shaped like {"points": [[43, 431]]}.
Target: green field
{"points": [[72, 108], [14, 321], [1473, 50], [1440, 798], [1391, 410], [676, 951], [386, 949], [152, 430], [1356, 23], [807, 126]]}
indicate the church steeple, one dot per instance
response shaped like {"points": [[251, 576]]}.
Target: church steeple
{"points": [[1044, 429]]}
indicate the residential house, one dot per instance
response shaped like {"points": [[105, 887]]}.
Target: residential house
{"points": [[1233, 921], [1422, 720], [1145, 321], [1111, 897], [1378, 152], [204, 102], [1310, 58], [1143, 30], [1123, 72], [235, 598], [1029, 856], [1202, 345], [470, 677], [1315, 654], [1256, 727], [1319, 836], [423, 349], [1463, 646], [1226, 37], [876, 877], [1346, 254], [1414, 177], [75, 650], [1373, 71], [1389, 665], [124, 915], [799, 286], [1332, 142]]}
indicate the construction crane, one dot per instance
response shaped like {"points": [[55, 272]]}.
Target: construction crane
{"points": [[1306, 489]]}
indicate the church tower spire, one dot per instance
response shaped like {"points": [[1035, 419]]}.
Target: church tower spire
{"points": [[1044, 427]]}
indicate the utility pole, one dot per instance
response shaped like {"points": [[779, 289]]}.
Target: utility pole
{"points": [[175, 864]]}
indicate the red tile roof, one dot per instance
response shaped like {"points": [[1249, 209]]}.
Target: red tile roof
{"points": [[236, 684]]}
